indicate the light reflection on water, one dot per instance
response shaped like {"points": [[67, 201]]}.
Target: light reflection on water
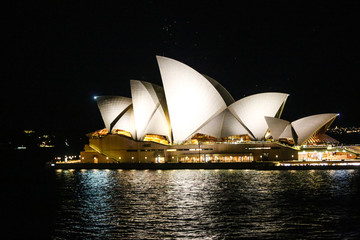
{"points": [[208, 204]]}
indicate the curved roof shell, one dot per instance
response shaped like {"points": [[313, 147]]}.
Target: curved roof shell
{"points": [[308, 126], [223, 125], [277, 126], [191, 103], [150, 110], [213, 127], [289, 133], [127, 122], [191, 99], [220, 88], [231, 126], [251, 111], [112, 108]]}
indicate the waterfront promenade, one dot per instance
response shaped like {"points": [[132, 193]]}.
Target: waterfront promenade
{"points": [[298, 165]]}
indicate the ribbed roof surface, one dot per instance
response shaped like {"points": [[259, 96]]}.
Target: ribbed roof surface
{"points": [[111, 108], [151, 115], [192, 100], [307, 126], [191, 103], [252, 110]]}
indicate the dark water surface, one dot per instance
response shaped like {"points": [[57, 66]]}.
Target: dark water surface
{"points": [[183, 204]]}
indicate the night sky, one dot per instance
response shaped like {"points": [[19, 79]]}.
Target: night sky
{"points": [[59, 55]]}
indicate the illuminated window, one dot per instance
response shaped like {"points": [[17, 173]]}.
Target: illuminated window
{"points": [[121, 132], [156, 138]]}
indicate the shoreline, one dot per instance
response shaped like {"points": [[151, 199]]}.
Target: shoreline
{"points": [[198, 166]]}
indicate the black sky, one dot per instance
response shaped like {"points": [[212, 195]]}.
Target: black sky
{"points": [[60, 54]]}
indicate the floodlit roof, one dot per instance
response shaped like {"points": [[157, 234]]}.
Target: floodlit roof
{"points": [[126, 122], [150, 110], [277, 126], [251, 111], [112, 108], [192, 100], [302, 129], [191, 103], [220, 88], [223, 125], [308, 126]]}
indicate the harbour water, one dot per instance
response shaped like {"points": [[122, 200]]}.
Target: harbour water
{"points": [[183, 204]]}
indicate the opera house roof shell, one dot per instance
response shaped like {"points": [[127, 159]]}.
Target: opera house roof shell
{"points": [[190, 103]]}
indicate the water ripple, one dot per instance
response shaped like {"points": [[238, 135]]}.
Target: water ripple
{"points": [[208, 204]]}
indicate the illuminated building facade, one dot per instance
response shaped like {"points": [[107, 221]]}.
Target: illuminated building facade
{"points": [[193, 118]]}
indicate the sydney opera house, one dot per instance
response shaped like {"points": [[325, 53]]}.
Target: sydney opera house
{"points": [[193, 118]]}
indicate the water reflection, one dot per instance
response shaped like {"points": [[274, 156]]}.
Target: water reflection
{"points": [[207, 204]]}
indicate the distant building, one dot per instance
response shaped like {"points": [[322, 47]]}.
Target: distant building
{"points": [[193, 118], [31, 139]]}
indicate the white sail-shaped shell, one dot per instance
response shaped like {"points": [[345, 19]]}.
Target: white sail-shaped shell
{"points": [[111, 109], [307, 126], [214, 126], [223, 125], [232, 126], [251, 111], [150, 110], [191, 99], [220, 88], [277, 126], [288, 133], [127, 122]]}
